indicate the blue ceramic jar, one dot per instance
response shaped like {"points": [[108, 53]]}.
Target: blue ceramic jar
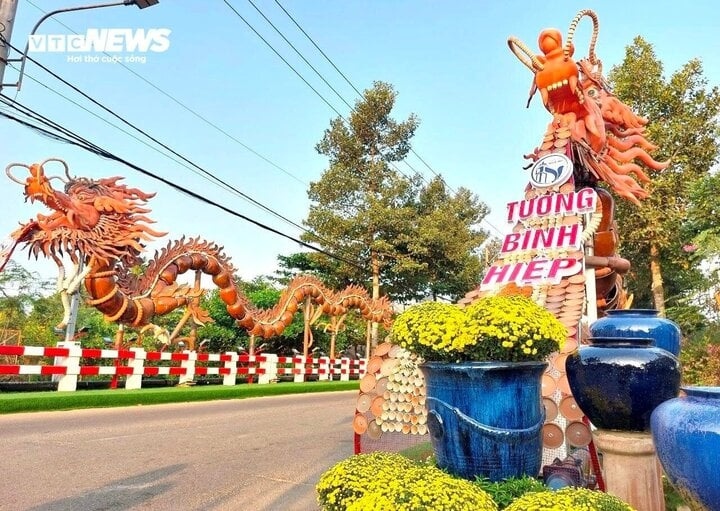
{"points": [[686, 433], [618, 381], [643, 323]]}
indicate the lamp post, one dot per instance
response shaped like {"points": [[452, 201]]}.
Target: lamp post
{"points": [[8, 9]]}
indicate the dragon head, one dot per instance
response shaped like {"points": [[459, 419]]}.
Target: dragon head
{"points": [[89, 218]]}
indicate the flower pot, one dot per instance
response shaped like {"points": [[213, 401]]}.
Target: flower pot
{"points": [[642, 323], [618, 381], [485, 418], [686, 432]]}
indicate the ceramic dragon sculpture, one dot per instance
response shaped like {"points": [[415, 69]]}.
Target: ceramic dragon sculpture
{"points": [[600, 134], [101, 225]]}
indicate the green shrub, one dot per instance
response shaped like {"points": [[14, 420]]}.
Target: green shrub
{"points": [[505, 492], [569, 499], [392, 482]]}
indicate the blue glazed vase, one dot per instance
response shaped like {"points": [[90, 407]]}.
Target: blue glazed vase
{"points": [[618, 381], [643, 323], [485, 418], [686, 432]]}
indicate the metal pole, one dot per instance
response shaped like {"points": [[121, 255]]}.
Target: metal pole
{"points": [[74, 306], [7, 20]]}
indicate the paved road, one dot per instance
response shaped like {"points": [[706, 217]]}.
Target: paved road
{"points": [[252, 454]]}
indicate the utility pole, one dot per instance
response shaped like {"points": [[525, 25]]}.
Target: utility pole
{"points": [[7, 19]]}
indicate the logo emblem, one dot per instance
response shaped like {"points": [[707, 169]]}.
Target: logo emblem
{"points": [[551, 170]]}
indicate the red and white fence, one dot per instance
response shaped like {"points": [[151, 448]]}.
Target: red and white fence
{"points": [[132, 364]]}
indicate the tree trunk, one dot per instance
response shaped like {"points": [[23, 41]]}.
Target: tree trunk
{"points": [[375, 267], [656, 280]]}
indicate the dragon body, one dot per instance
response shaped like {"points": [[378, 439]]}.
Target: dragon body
{"points": [[102, 226]]}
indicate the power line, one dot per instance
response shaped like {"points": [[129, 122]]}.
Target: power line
{"points": [[274, 50], [282, 58], [206, 174], [203, 171], [349, 82], [106, 121], [301, 55], [324, 80], [191, 111], [71, 137]]}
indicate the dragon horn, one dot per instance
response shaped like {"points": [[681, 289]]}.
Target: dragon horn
{"points": [[593, 40], [13, 178], [62, 162], [529, 58]]}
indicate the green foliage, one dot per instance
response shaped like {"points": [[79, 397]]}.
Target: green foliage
{"points": [[392, 482], [20, 289], [569, 499], [683, 112], [443, 241], [386, 227], [495, 328], [506, 491], [700, 357]]}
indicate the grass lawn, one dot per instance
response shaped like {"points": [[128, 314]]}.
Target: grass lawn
{"points": [[17, 402]]}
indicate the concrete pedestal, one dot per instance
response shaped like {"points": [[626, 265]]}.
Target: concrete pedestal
{"points": [[631, 469]]}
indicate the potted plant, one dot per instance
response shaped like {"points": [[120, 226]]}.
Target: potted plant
{"points": [[483, 367]]}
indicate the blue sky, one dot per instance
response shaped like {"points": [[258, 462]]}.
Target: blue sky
{"points": [[449, 62]]}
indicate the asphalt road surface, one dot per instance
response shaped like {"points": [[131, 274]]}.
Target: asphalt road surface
{"points": [[250, 454]]}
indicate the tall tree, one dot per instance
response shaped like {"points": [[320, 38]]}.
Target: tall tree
{"points": [[445, 239], [415, 240], [683, 114], [360, 205]]}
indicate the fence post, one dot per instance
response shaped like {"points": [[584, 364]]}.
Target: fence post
{"points": [[269, 368], [299, 369], [68, 381], [344, 369], [189, 366], [229, 379], [134, 380], [324, 372]]}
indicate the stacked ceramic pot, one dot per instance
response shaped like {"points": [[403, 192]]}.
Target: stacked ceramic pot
{"points": [[643, 323]]}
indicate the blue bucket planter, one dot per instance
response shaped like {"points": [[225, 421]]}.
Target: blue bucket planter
{"points": [[485, 418], [686, 432]]}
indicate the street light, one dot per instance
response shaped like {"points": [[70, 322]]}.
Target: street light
{"points": [[145, 3], [141, 4]]}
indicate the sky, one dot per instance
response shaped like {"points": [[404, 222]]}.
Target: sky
{"points": [[224, 100]]}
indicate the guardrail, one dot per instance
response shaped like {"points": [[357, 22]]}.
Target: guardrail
{"points": [[67, 359]]}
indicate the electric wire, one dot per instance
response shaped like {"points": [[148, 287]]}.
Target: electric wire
{"points": [[75, 139], [349, 82], [299, 53], [106, 121], [204, 172], [190, 110], [346, 80], [323, 98]]}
